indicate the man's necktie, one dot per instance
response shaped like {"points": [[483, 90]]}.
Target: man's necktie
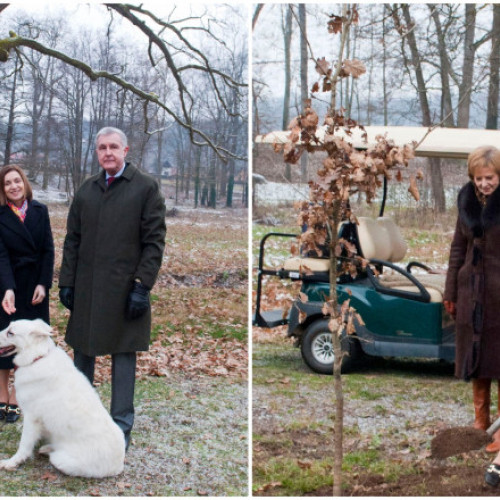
{"points": [[110, 180]]}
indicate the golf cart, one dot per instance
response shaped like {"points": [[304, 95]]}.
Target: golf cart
{"points": [[401, 308]]}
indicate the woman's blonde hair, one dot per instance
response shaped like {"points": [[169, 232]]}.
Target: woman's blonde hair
{"points": [[28, 192], [484, 156]]}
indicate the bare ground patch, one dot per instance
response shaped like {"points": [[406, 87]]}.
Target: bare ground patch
{"points": [[393, 411]]}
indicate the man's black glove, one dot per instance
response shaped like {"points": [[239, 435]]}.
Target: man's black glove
{"points": [[67, 296], [137, 301]]}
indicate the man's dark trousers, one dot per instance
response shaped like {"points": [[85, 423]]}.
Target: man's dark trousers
{"points": [[123, 367]]}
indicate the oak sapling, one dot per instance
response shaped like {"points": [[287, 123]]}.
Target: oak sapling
{"points": [[345, 172]]}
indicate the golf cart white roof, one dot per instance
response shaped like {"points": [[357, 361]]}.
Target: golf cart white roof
{"points": [[439, 142]]}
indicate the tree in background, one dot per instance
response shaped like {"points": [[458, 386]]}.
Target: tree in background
{"points": [[494, 83], [451, 46]]}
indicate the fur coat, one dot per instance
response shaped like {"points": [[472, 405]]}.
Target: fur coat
{"points": [[473, 283]]}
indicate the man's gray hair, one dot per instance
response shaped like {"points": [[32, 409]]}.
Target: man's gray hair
{"points": [[112, 130]]}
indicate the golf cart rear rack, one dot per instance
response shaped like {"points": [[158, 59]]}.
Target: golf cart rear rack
{"points": [[270, 319]]}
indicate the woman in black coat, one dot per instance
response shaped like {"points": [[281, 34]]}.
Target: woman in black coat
{"points": [[26, 266]]}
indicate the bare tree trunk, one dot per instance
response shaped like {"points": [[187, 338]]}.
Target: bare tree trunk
{"points": [[159, 153], [446, 103], [338, 426], [197, 183], [230, 184], [416, 63], [435, 163], [256, 14], [48, 135], [347, 84], [177, 186], [464, 94], [231, 165], [187, 187], [304, 91], [371, 69], [287, 38], [494, 85], [10, 124], [36, 111], [384, 70], [212, 183]]}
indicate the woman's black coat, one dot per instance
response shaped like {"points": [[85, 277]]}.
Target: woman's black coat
{"points": [[26, 260]]}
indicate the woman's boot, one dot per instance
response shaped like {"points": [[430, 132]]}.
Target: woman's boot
{"points": [[481, 397], [494, 447]]}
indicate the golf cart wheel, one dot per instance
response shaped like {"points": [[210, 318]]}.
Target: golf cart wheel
{"points": [[317, 349]]}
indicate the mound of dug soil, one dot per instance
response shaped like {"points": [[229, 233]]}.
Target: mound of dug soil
{"points": [[456, 440]]}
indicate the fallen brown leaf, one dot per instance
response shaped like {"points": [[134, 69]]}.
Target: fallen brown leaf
{"points": [[304, 464], [49, 476]]}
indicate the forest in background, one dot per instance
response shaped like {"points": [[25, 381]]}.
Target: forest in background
{"points": [[185, 72], [426, 65]]}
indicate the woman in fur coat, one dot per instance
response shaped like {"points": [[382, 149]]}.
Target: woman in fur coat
{"points": [[472, 292]]}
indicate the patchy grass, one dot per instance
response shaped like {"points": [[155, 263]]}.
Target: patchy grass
{"points": [[200, 295], [277, 249], [291, 478], [189, 439], [392, 411], [190, 436]]}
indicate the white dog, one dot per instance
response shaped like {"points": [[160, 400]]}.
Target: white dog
{"points": [[59, 406]]}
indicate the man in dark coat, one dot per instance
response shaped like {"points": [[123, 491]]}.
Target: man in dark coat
{"points": [[112, 254]]}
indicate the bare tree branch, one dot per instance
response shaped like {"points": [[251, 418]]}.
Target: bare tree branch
{"points": [[125, 10], [207, 68], [256, 14], [14, 42]]}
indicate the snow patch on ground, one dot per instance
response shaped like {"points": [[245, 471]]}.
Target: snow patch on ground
{"points": [[50, 196], [275, 193]]}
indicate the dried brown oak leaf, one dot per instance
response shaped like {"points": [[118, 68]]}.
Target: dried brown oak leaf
{"points": [[335, 24], [354, 67], [413, 189], [322, 66]]}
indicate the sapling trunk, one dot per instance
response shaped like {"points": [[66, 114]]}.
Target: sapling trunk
{"points": [[338, 427]]}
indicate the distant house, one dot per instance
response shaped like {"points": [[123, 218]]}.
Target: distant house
{"points": [[18, 157], [168, 171]]}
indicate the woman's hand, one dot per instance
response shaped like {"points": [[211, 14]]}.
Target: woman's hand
{"points": [[39, 295], [9, 302], [450, 307]]}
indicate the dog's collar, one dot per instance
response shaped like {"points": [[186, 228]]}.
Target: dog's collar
{"points": [[33, 362]]}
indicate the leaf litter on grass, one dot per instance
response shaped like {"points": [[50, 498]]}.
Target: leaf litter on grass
{"points": [[200, 315], [191, 392]]}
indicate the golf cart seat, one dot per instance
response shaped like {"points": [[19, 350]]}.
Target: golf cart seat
{"points": [[378, 239], [381, 239]]}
